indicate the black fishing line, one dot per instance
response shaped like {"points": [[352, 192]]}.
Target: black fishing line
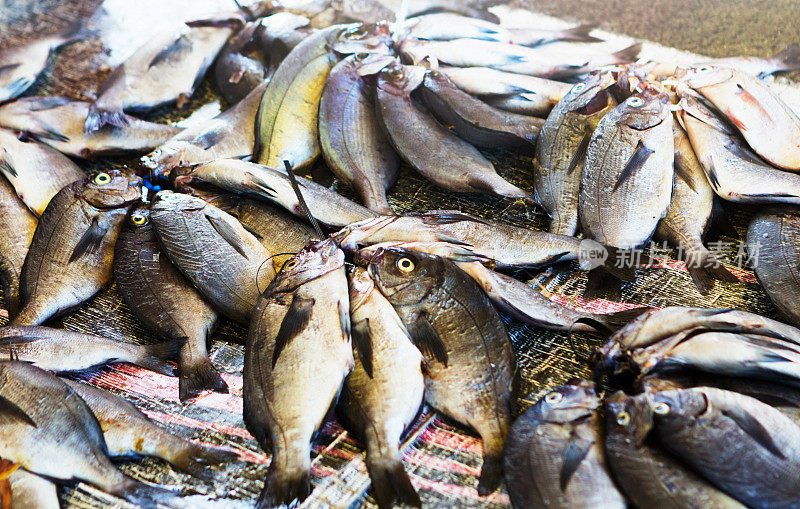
{"points": [[302, 201]]}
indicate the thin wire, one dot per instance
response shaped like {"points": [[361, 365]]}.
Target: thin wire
{"points": [[302, 201]]}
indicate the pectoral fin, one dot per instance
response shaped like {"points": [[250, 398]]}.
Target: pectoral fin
{"points": [[6, 165], [294, 322], [577, 448], [362, 340], [90, 242], [754, 429], [427, 339], [228, 233], [635, 163], [11, 413], [580, 152]]}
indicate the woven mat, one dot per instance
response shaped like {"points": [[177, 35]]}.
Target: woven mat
{"points": [[442, 458]]}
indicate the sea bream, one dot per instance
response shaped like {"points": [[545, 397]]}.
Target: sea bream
{"points": [[18, 225]]}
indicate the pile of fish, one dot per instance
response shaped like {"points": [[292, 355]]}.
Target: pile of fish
{"points": [[353, 307], [710, 421]]}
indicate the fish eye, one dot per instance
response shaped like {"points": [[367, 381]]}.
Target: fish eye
{"points": [[102, 178], [580, 87], [553, 398], [635, 102], [434, 74], [290, 264], [358, 32], [704, 68], [405, 265], [360, 57], [395, 74], [661, 408], [623, 418], [138, 219]]}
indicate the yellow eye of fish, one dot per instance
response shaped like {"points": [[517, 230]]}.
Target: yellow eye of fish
{"points": [[290, 264], [405, 264], [623, 418], [395, 74], [356, 33], [661, 408], [361, 56], [579, 87], [138, 219], [102, 178], [635, 102], [553, 397]]}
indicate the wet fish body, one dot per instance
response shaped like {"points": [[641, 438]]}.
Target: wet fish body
{"points": [[18, 225], [30, 491], [70, 257], [242, 63], [351, 138], [297, 356], [164, 300], [58, 122], [22, 65]]}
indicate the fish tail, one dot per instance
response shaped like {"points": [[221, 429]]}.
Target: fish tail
{"points": [[97, 118], [196, 460], [391, 483], [789, 58], [628, 55], [602, 284], [497, 185], [491, 473], [284, 488], [612, 322], [30, 314], [580, 33], [144, 495], [704, 267], [198, 376], [153, 357]]}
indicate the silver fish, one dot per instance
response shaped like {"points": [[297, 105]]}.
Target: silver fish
{"points": [[18, 225], [30, 491], [21, 65]]}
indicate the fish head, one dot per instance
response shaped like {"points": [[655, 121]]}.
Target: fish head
{"points": [[695, 106], [139, 217], [368, 64], [363, 38], [315, 260], [592, 95], [169, 201], [166, 157], [629, 416], [111, 189], [574, 400], [361, 286], [401, 80], [676, 406], [704, 75], [404, 276], [644, 110]]}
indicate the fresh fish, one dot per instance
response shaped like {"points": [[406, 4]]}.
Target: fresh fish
{"points": [[734, 171], [353, 144], [48, 430], [129, 432], [469, 360], [297, 355], [383, 394], [659, 324], [70, 257], [453, 252], [139, 84], [447, 26], [744, 447], [17, 224], [648, 476], [282, 32], [436, 153], [722, 353], [774, 245], [543, 61], [65, 351], [504, 244], [214, 251], [58, 122], [242, 63], [286, 125], [500, 88], [689, 214], [30, 491], [273, 185], [786, 60], [229, 134], [525, 303], [561, 149], [769, 126], [36, 171], [21, 65], [474, 120], [164, 301], [627, 174], [554, 453]]}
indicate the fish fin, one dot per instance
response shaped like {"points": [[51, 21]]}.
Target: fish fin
{"points": [[17, 87], [629, 54], [144, 495], [735, 120], [90, 242], [9, 67], [626, 272], [614, 321], [49, 103], [252, 231], [789, 58], [258, 183], [195, 460], [684, 174], [771, 357], [344, 323], [580, 33], [296, 319], [720, 223], [754, 429], [284, 489], [11, 413], [362, 340], [711, 173], [750, 99], [491, 474], [154, 356], [228, 233], [634, 164], [174, 51], [706, 267], [448, 217], [580, 152], [427, 339], [97, 118], [49, 133], [574, 453], [198, 377], [602, 284], [210, 138], [391, 484], [6, 165]]}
